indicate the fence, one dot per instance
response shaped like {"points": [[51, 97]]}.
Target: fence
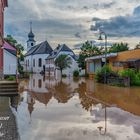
{"points": [[122, 81]]}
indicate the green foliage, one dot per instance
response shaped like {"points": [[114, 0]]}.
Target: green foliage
{"points": [[128, 73], [137, 79], [106, 69], [101, 73], [64, 75], [11, 78], [76, 73], [134, 77], [118, 47], [62, 62], [81, 61], [20, 69], [88, 50]]}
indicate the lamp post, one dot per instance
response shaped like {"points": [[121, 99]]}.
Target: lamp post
{"points": [[100, 38]]}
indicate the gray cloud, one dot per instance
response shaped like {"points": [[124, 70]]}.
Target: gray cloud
{"points": [[66, 21], [78, 35], [121, 25]]}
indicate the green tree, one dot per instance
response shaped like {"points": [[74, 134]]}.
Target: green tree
{"points": [[62, 62], [18, 46], [118, 47], [88, 50]]}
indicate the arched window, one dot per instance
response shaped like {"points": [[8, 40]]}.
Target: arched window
{"points": [[32, 44], [39, 83], [33, 62], [40, 62]]}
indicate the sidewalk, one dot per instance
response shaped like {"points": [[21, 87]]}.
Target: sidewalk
{"points": [[8, 127]]}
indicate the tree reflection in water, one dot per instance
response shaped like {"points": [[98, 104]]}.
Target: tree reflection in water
{"points": [[86, 102], [62, 92], [14, 101]]}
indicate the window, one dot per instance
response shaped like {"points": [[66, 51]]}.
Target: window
{"points": [[91, 67], [33, 62], [40, 62], [28, 63], [117, 64], [39, 83], [32, 44], [33, 82]]}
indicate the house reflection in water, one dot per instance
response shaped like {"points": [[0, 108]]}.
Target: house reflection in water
{"points": [[42, 89]]}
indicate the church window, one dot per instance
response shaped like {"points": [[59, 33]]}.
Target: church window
{"points": [[33, 82], [32, 44], [28, 63], [40, 62], [33, 62], [39, 83]]}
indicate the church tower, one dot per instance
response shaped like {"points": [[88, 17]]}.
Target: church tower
{"points": [[31, 42]]}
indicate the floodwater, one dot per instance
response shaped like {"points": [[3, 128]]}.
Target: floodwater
{"points": [[76, 109]]}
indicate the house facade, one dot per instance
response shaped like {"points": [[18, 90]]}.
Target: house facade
{"points": [[50, 67], [3, 4], [117, 61], [36, 55], [126, 59], [9, 53]]}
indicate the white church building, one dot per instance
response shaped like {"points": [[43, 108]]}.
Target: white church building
{"points": [[36, 54], [51, 69], [41, 57]]}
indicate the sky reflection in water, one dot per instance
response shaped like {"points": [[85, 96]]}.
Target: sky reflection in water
{"points": [[74, 109]]}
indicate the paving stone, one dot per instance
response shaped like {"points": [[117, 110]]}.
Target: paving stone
{"points": [[9, 127]]}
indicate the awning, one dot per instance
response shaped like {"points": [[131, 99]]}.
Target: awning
{"points": [[109, 55]]}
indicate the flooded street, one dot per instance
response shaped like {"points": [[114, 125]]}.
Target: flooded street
{"points": [[76, 109]]}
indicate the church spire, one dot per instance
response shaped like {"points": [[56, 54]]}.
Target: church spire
{"points": [[30, 26], [31, 41]]}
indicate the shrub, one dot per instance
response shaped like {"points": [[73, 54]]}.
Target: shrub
{"points": [[101, 73], [64, 75], [134, 77], [129, 73], [137, 79], [76, 73], [11, 78]]}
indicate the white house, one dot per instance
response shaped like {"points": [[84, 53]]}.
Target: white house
{"points": [[50, 61], [9, 59], [36, 55]]}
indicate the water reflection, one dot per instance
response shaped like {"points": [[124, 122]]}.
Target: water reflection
{"points": [[74, 109], [90, 93]]}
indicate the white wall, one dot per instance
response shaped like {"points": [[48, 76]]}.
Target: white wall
{"points": [[68, 71], [34, 84], [27, 68], [74, 66], [36, 68], [10, 63]]}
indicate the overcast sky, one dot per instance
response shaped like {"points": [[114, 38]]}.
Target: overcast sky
{"points": [[73, 21]]}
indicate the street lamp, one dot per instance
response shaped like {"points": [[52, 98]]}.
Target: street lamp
{"points": [[100, 38]]}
